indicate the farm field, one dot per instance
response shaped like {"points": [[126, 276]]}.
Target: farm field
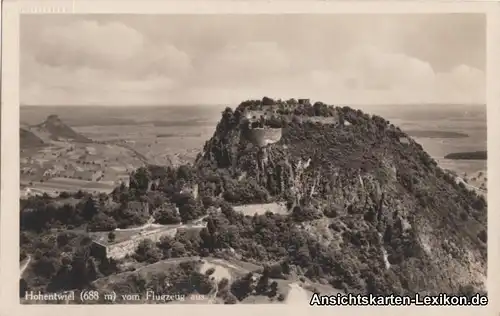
{"points": [[73, 166], [161, 145]]}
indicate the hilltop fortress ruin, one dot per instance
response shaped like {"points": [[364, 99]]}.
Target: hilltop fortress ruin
{"points": [[263, 119], [261, 123]]}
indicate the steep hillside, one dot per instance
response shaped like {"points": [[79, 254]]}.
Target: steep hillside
{"points": [[55, 129], [29, 140], [367, 211], [386, 217]]}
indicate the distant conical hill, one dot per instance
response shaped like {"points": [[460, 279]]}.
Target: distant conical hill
{"points": [[54, 129], [362, 187]]}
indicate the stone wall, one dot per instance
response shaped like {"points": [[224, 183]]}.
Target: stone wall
{"points": [[121, 249], [254, 114], [265, 136], [323, 120], [98, 250], [261, 208]]}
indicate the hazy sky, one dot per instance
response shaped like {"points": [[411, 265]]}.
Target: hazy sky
{"points": [[216, 59]]}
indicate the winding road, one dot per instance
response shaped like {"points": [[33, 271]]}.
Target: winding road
{"points": [[471, 187], [25, 265], [297, 295], [151, 223], [147, 225]]}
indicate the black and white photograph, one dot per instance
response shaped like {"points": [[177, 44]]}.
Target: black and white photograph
{"points": [[252, 158]]}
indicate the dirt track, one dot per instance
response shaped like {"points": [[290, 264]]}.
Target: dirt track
{"points": [[25, 265], [297, 295]]}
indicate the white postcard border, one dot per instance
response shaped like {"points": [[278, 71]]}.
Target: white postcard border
{"points": [[9, 220]]}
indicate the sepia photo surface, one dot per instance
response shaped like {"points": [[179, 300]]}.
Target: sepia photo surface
{"points": [[278, 159]]}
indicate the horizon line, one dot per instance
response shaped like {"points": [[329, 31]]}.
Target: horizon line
{"points": [[225, 104]]}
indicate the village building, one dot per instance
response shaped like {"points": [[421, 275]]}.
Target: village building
{"points": [[125, 241]]}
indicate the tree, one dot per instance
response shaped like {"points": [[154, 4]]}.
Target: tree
{"points": [[185, 172], [483, 236], [178, 249], [208, 201], [82, 267], [140, 179], [241, 288], [230, 298], [167, 214], [189, 209], [102, 222], [64, 195], [23, 287], [211, 226], [263, 283], [330, 211], [210, 271], [273, 289], [147, 251], [301, 214], [468, 290], [166, 245], [46, 266], [207, 240], [79, 194], [223, 284], [111, 236], [320, 109], [89, 209], [126, 216], [285, 266], [22, 255]]}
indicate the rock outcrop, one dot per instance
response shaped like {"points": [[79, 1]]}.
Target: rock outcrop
{"points": [[264, 136], [397, 213]]}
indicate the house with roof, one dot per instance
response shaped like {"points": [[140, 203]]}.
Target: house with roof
{"points": [[125, 241]]}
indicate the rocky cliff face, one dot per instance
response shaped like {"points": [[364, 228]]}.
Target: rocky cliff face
{"points": [[381, 199]]}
